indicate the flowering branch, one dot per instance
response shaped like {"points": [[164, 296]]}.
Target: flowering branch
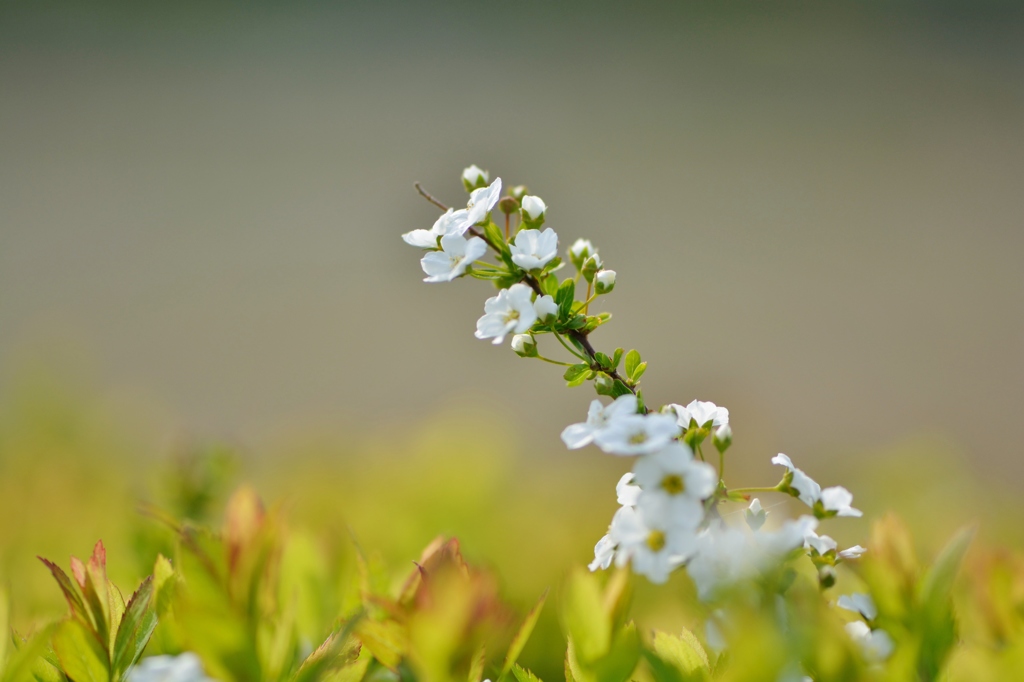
{"points": [[669, 516]]}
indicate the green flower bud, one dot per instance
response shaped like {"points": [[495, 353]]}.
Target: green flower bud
{"points": [[604, 280], [508, 205], [474, 178], [723, 438], [518, 192], [591, 267], [524, 345]]}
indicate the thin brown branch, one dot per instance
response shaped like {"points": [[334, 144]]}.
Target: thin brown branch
{"points": [[426, 195]]}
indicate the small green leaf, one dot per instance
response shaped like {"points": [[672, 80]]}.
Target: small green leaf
{"points": [[494, 235], [564, 298], [549, 285], [617, 358], [619, 388], [134, 628], [604, 361], [523, 675], [639, 371], [525, 630], [632, 361], [69, 589], [577, 322], [553, 264], [574, 372]]}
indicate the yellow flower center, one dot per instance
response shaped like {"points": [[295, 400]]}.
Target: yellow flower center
{"points": [[656, 540], [673, 484], [638, 438]]}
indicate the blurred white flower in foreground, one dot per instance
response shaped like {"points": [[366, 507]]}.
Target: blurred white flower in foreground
{"points": [[653, 547], [510, 311], [185, 667], [861, 603], [876, 645], [626, 491]]}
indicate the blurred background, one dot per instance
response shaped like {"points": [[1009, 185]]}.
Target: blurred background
{"points": [[815, 210]]}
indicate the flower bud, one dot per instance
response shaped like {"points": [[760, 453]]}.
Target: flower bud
{"points": [[508, 205], [755, 515], [826, 576], [533, 209], [546, 309], [524, 345], [723, 438], [518, 192], [580, 251], [474, 178], [590, 267], [605, 281]]}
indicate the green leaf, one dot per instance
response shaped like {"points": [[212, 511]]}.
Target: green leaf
{"points": [[69, 589], [134, 630], [81, 656], [604, 361], [523, 675], [577, 322], [576, 372], [938, 626], [522, 635], [564, 298], [549, 285], [632, 361], [165, 580], [495, 236], [619, 388], [553, 264], [617, 358], [585, 620], [27, 656], [639, 371], [683, 655], [620, 662]]}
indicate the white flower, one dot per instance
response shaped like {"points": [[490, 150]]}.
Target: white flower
{"points": [[481, 201], [835, 501], [674, 485], [546, 308], [598, 417], [450, 222], [534, 249], [456, 254], [474, 177], [626, 491], [534, 207], [861, 603], [854, 552], [510, 311], [637, 434], [755, 515], [185, 667], [700, 412], [605, 281], [604, 552], [653, 548], [876, 645]]}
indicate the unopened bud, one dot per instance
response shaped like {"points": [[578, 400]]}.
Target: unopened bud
{"points": [[474, 178], [605, 281], [723, 438], [524, 345], [826, 576], [580, 251], [533, 209], [519, 191], [591, 267], [756, 515], [508, 205]]}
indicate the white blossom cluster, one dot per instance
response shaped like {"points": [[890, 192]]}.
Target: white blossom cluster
{"points": [[669, 516]]}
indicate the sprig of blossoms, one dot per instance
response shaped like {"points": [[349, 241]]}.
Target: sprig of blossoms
{"points": [[670, 514]]}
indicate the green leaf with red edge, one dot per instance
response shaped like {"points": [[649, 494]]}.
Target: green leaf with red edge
{"points": [[71, 593], [134, 629], [97, 593]]}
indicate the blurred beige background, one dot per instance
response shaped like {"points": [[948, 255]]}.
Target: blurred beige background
{"points": [[816, 213]]}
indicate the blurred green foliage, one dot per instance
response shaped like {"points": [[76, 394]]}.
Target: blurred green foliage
{"points": [[322, 584]]}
